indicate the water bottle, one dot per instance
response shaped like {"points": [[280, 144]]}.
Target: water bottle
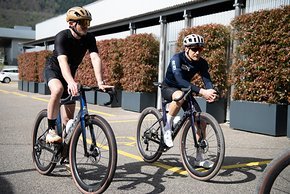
{"points": [[175, 120], [69, 126]]}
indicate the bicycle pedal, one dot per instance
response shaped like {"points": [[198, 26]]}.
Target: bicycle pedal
{"points": [[67, 167], [64, 161], [55, 159], [165, 148]]}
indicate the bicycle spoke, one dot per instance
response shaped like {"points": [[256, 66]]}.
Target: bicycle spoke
{"points": [[149, 134], [42, 156], [211, 148]]}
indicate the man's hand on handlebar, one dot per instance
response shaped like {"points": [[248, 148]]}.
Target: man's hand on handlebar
{"points": [[73, 88], [210, 95], [103, 86]]}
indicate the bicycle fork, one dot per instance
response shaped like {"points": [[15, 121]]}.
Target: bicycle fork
{"points": [[195, 118]]}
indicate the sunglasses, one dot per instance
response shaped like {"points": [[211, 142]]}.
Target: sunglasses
{"points": [[195, 49], [84, 23]]}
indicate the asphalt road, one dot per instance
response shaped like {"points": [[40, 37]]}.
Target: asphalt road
{"points": [[246, 155]]}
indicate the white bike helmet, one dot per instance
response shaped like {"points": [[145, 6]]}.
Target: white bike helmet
{"points": [[193, 40]]}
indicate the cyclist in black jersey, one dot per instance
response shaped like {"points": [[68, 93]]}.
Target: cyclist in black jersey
{"points": [[181, 69], [70, 47]]}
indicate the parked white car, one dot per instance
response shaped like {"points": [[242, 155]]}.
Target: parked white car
{"points": [[9, 74]]}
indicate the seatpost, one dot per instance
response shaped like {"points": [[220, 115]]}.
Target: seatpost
{"points": [[59, 123], [83, 107], [192, 112], [164, 112]]}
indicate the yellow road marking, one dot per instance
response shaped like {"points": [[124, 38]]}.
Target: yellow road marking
{"points": [[246, 164], [40, 99], [132, 138], [127, 143], [101, 113], [46, 100], [129, 155], [4, 91], [171, 168], [178, 169], [184, 172], [123, 121], [19, 94]]}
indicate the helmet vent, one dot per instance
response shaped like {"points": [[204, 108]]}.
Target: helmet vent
{"points": [[83, 12], [77, 14]]}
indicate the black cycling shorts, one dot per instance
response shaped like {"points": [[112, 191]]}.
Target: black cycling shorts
{"points": [[167, 92], [50, 74]]}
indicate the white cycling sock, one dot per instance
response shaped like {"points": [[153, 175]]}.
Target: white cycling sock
{"points": [[199, 154], [169, 121]]}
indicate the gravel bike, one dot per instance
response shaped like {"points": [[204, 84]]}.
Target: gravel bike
{"points": [[150, 136], [90, 146], [276, 176]]}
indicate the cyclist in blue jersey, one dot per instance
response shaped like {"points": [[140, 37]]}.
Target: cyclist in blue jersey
{"points": [[181, 69], [70, 47]]}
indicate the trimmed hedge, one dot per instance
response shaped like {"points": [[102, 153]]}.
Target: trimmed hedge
{"points": [[262, 71], [217, 38], [31, 65], [40, 61], [27, 67], [85, 73], [111, 54], [140, 63], [130, 64]]}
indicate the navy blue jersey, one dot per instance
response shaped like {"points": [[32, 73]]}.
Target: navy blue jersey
{"points": [[75, 49], [181, 70]]}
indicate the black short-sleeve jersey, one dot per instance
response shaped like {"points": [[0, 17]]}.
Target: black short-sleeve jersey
{"points": [[74, 49]]}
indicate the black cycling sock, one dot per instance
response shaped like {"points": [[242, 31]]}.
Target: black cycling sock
{"points": [[51, 123]]}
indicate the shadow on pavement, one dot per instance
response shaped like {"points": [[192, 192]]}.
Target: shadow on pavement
{"points": [[5, 186]]}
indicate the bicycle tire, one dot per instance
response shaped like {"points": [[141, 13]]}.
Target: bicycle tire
{"points": [[149, 134], [42, 158], [93, 174], [214, 148], [275, 178]]}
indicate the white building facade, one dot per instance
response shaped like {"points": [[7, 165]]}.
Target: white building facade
{"points": [[107, 11], [167, 19]]}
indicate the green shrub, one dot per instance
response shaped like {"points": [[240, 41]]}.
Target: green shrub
{"points": [[27, 66], [85, 73], [111, 55], [130, 64], [261, 73], [40, 61], [31, 65], [140, 63]]}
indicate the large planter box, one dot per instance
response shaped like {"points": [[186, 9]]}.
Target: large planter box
{"points": [[33, 87], [264, 118], [20, 85], [43, 88], [104, 98], [91, 97], [216, 109], [137, 101], [25, 86]]}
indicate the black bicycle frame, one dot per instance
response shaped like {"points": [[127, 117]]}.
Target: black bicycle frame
{"points": [[189, 113], [82, 118]]}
